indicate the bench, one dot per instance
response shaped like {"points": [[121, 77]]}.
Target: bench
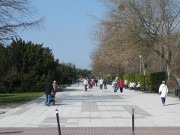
{"points": [[145, 90]]}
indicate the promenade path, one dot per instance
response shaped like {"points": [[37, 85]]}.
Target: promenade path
{"points": [[95, 112]]}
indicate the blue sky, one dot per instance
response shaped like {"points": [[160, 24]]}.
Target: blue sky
{"points": [[66, 29]]}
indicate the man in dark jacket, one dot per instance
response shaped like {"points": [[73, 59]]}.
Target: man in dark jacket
{"points": [[105, 84], [48, 89]]}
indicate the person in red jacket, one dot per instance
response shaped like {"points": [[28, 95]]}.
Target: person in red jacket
{"points": [[121, 85]]}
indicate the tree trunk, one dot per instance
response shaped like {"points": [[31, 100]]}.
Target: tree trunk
{"points": [[9, 87], [176, 77], [117, 71], [169, 73]]}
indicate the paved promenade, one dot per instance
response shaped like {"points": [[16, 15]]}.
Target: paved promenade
{"points": [[94, 112]]}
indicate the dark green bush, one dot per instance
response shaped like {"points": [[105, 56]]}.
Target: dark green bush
{"points": [[24, 67], [155, 80], [152, 80]]}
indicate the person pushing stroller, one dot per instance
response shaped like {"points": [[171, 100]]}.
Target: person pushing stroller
{"points": [[53, 92]]}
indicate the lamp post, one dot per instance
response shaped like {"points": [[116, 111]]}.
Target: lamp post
{"points": [[144, 78], [179, 88], [140, 56]]}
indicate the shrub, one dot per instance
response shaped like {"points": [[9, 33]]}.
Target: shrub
{"points": [[152, 80]]}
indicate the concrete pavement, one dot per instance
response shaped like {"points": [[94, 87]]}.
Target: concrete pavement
{"points": [[95, 108]]}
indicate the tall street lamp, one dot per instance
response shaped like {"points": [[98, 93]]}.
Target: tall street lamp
{"points": [[140, 56], [144, 78]]}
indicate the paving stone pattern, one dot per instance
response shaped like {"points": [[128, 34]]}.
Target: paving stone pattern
{"points": [[94, 112], [92, 131]]}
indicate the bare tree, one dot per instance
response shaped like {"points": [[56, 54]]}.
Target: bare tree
{"points": [[152, 25], [114, 46], [16, 15], [159, 23]]}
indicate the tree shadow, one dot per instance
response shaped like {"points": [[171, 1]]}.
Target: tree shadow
{"points": [[64, 90], [172, 104], [12, 132], [60, 104]]}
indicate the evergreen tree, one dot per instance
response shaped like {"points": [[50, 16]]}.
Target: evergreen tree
{"points": [[24, 67]]}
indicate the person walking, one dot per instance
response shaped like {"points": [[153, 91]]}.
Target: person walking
{"points": [[115, 84], [96, 81], [105, 83], [101, 83], [48, 89], [91, 83], [121, 85], [126, 83], [85, 82], [163, 90], [55, 86]]}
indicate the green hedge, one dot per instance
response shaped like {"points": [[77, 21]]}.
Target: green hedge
{"points": [[152, 79], [109, 78], [155, 79]]}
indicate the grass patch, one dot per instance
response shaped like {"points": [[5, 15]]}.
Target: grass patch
{"points": [[6, 99]]}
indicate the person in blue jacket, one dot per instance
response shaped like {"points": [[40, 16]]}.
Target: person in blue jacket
{"points": [[48, 89]]}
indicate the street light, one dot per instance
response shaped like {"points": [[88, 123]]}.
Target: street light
{"points": [[144, 78], [140, 56]]}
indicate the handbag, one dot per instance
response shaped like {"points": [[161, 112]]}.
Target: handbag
{"points": [[160, 92]]}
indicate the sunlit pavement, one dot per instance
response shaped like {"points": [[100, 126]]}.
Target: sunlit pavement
{"points": [[95, 112]]}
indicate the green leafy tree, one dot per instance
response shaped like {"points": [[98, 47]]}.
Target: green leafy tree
{"points": [[26, 66]]}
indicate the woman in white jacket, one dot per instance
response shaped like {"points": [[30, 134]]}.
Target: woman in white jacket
{"points": [[163, 90], [85, 82]]}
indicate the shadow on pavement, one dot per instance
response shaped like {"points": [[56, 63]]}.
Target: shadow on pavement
{"points": [[70, 90], [172, 104], [13, 132], [59, 104]]}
